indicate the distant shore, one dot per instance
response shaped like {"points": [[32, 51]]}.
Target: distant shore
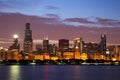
{"points": [[59, 62]]}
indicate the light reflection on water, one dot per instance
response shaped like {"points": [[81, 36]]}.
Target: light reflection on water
{"points": [[53, 72], [46, 70], [14, 73]]}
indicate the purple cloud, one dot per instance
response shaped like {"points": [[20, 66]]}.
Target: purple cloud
{"points": [[54, 28], [97, 22], [80, 20], [108, 22]]}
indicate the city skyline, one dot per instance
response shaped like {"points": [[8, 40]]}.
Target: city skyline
{"points": [[59, 39], [60, 21]]}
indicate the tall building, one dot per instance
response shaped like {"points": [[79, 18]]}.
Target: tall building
{"points": [[28, 41], [52, 49], [39, 49], [103, 44], [15, 45], [90, 49], [78, 43], [45, 44], [63, 44]]}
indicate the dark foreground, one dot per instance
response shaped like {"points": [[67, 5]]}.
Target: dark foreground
{"points": [[59, 62]]}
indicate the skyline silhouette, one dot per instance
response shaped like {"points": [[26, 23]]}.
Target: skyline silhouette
{"points": [[58, 21]]}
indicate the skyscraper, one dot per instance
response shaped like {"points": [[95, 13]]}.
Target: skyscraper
{"points": [[45, 44], [78, 43], [15, 45], [28, 41], [103, 44], [63, 44]]}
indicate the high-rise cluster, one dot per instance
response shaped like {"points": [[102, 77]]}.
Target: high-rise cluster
{"points": [[77, 49]]}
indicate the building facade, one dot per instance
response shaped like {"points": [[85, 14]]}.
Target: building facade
{"points": [[103, 44], [28, 41], [15, 45], [78, 43], [63, 44], [45, 44]]}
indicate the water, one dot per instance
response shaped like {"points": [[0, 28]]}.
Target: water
{"points": [[56, 72]]}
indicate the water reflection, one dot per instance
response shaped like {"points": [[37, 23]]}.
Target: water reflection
{"points": [[46, 69], [52, 72], [77, 72], [14, 73]]}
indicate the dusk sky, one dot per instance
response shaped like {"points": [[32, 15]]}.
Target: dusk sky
{"points": [[59, 19]]}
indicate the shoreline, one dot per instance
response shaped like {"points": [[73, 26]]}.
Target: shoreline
{"points": [[61, 62]]}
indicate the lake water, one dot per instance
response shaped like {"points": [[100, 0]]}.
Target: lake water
{"points": [[59, 72]]}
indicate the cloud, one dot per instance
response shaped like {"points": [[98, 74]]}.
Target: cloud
{"points": [[50, 19], [51, 7], [108, 22], [55, 29], [94, 22], [53, 16], [80, 20]]}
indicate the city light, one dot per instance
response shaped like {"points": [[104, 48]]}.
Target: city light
{"points": [[67, 52], [15, 36], [113, 59], [1, 48]]}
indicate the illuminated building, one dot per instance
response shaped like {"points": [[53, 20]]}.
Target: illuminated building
{"points": [[96, 56], [54, 58], [68, 55], [15, 45], [110, 49], [65, 54], [116, 52], [63, 46], [9, 54], [91, 49], [77, 53], [28, 41], [46, 56], [38, 57], [3, 54], [78, 43], [84, 56]]}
